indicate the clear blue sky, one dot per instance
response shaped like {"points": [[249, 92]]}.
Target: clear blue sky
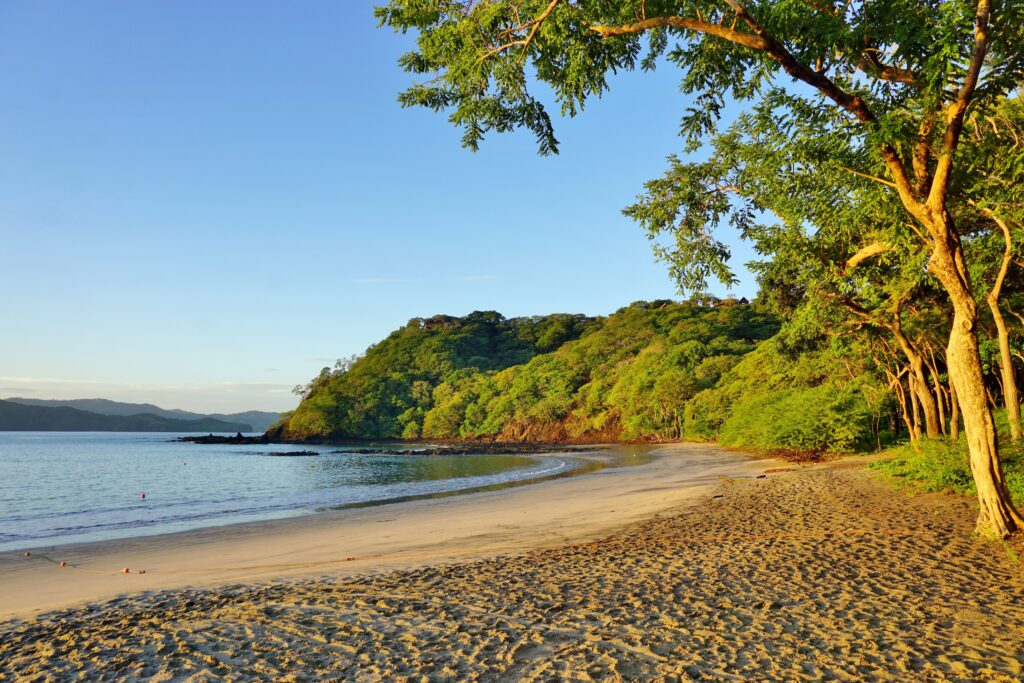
{"points": [[203, 203]]}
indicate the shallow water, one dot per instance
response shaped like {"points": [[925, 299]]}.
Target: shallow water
{"points": [[61, 487]]}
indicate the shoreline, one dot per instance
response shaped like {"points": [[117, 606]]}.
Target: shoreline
{"points": [[395, 535], [820, 573], [576, 463]]}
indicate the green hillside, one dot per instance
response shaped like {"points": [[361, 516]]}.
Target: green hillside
{"points": [[651, 371], [387, 392]]}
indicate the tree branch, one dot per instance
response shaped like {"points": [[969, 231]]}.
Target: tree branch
{"points": [[730, 34], [762, 41], [865, 253], [883, 181], [534, 25], [955, 113], [922, 147], [993, 295], [873, 66]]}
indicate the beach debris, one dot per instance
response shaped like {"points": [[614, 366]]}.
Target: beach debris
{"points": [[126, 570], [762, 476], [63, 564], [351, 558], [141, 571]]}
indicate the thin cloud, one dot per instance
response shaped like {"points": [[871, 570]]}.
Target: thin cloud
{"points": [[48, 380], [15, 391]]}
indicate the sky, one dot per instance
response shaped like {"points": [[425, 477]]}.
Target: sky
{"points": [[203, 203]]}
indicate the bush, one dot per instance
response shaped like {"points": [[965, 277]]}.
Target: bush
{"points": [[805, 420], [941, 465], [771, 401]]}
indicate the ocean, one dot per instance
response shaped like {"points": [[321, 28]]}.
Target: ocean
{"points": [[64, 487]]}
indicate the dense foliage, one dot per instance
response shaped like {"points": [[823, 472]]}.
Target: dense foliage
{"points": [[651, 371], [630, 378], [552, 377], [387, 392], [818, 401]]}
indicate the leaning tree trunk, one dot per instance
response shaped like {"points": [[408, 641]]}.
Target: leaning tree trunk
{"points": [[918, 382], [897, 384], [997, 515]]}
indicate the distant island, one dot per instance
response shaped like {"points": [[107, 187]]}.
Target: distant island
{"points": [[101, 415]]}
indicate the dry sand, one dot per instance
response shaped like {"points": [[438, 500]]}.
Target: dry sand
{"points": [[820, 573]]}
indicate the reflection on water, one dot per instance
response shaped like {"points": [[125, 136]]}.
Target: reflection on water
{"points": [[346, 469]]}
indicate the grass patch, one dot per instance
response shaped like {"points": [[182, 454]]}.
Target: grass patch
{"points": [[940, 465]]}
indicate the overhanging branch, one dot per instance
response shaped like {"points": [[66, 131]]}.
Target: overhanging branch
{"points": [[759, 39]]}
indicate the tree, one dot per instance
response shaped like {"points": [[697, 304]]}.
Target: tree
{"points": [[836, 261], [898, 76]]}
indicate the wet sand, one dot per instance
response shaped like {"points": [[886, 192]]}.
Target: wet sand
{"points": [[818, 573]]}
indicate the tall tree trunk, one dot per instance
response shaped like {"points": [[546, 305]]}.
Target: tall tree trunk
{"points": [[954, 414], [940, 393], [914, 402], [942, 406], [997, 515], [1010, 395]]}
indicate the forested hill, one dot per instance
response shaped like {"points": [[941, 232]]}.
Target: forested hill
{"points": [[559, 377]]}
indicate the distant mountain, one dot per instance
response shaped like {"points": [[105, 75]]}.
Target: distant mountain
{"points": [[258, 419], [17, 417]]}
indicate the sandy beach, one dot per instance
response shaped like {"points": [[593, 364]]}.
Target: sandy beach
{"points": [[402, 535], [817, 573]]}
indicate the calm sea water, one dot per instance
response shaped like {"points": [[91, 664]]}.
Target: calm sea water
{"points": [[61, 487]]}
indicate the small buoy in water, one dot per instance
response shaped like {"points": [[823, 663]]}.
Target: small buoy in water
{"points": [[63, 564], [126, 570], [142, 496], [28, 554]]}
